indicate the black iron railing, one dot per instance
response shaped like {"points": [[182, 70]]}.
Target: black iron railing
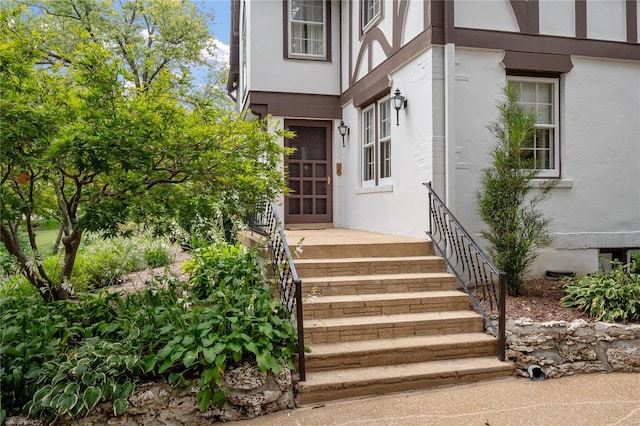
{"points": [[265, 221], [480, 279]]}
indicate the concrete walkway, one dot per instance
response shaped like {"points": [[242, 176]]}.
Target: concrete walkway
{"points": [[588, 399]]}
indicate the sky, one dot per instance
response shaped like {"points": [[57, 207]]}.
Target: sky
{"points": [[221, 26]]}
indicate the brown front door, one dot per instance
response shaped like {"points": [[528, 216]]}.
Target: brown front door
{"points": [[309, 173]]}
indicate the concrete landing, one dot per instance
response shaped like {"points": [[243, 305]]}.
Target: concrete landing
{"points": [[588, 399]]}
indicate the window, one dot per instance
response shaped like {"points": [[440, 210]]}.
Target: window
{"points": [[307, 29], [376, 143], [370, 13], [541, 96]]}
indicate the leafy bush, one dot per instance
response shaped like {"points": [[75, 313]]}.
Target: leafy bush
{"points": [[16, 286], [65, 357], [609, 296]]}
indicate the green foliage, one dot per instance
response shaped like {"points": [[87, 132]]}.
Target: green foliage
{"points": [[102, 119], [222, 266], [65, 357], [16, 286], [508, 201], [606, 296]]}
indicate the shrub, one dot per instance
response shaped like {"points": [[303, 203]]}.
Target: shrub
{"points": [[64, 357], [507, 200], [609, 296]]}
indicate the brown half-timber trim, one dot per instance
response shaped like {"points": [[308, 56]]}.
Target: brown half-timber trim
{"points": [[295, 104], [285, 34], [369, 86], [527, 14], [234, 57], [536, 62], [632, 21], [486, 39], [581, 18]]}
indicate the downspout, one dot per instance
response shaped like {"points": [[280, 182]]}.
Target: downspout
{"points": [[449, 107]]}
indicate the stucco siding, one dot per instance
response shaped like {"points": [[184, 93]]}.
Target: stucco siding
{"points": [[597, 204], [558, 18], [487, 15], [606, 20], [270, 71], [399, 207]]}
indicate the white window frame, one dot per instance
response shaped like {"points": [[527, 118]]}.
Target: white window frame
{"points": [[368, 147], [376, 126], [553, 128], [384, 139], [370, 21], [291, 22]]}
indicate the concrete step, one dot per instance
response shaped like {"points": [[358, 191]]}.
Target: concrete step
{"points": [[355, 305], [355, 250], [367, 266], [329, 330], [370, 353], [321, 386], [369, 284]]}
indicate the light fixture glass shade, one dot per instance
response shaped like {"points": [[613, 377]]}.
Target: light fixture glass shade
{"points": [[343, 128], [398, 100]]}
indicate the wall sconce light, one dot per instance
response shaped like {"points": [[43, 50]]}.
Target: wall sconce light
{"points": [[344, 130], [399, 102]]}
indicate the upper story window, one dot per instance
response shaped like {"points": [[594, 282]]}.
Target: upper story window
{"points": [[376, 143], [541, 95], [371, 11], [307, 29]]}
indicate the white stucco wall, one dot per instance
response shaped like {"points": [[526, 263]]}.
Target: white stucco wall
{"points": [[557, 18], [485, 14], [606, 20], [271, 72], [598, 203], [400, 207]]}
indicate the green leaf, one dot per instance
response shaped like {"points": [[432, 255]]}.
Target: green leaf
{"points": [[165, 352], [91, 396], [219, 398], [209, 355], [187, 340], [204, 398], [120, 406], [66, 402], [263, 362], [149, 363], [189, 358], [126, 390], [165, 366]]}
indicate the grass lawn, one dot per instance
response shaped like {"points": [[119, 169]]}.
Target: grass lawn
{"points": [[45, 237]]}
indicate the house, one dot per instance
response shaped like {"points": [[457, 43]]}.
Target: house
{"points": [[312, 65]]}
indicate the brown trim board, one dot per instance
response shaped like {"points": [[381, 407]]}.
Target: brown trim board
{"points": [[536, 62], [295, 104], [368, 86], [466, 37], [632, 21], [581, 18]]}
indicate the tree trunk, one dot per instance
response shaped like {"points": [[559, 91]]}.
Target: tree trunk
{"points": [[71, 245]]}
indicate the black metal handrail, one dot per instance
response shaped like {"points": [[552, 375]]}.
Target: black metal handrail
{"points": [[265, 221], [481, 280]]}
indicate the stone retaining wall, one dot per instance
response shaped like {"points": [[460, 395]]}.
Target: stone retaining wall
{"points": [[250, 393], [561, 348]]}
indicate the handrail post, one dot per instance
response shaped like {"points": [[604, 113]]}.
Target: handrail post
{"points": [[502, 320], [301, 362]]}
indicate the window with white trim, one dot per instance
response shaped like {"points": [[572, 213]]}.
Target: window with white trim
{"points": [[541, 95], [307, 28], [376, 143], [371, 11]]}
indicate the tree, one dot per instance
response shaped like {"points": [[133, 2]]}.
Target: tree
{"points": [[99, 109], [508, 199]]}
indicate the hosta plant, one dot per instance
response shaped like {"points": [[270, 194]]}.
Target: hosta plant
{"points": [[612, 296]]}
